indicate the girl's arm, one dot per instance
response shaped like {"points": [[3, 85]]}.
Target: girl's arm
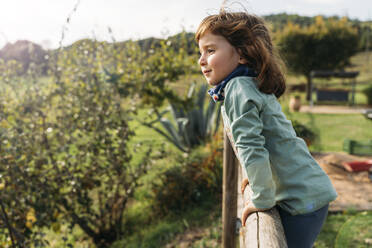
{"points": [[243, 105]]}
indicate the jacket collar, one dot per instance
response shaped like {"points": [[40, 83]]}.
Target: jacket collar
{"points": [[217, 93]]}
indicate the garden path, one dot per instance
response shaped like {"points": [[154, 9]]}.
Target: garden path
{"points": [[333, 109]]}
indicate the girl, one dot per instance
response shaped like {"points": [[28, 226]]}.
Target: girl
{"points": [[238, 58]]}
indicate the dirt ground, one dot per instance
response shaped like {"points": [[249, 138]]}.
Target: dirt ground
{"points": [[354, 188]]}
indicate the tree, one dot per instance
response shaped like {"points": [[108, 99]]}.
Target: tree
{"points": [[64, 143], [64, 152], [321, 46]]}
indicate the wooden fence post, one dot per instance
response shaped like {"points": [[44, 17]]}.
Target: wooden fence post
{"points": [[229, 195], [263, 229]]}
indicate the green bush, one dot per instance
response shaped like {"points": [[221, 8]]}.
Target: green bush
{"points": [[64, 149], [304, 132], [368, 92], [187, 184]]}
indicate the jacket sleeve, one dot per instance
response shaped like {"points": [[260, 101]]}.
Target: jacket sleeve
{"points": [[242, 105]]}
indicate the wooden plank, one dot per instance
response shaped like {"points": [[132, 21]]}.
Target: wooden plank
{"points": [[229, 202], [247, 235], [263, 229]]}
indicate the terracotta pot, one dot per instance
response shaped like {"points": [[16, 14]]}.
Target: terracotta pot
{"points": [[295, 103]]}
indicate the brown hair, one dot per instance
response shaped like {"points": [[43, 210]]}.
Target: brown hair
{"points": [[250, 36]]}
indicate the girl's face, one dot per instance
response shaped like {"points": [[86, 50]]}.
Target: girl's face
{"points": [[218, 58]]}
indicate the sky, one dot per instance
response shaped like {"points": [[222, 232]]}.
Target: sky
{"points": [[42, 21]]}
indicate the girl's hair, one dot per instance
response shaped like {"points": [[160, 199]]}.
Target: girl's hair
{"points": [[250, 36]]}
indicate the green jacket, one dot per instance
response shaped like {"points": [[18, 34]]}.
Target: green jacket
{"points": [[279, 166]]}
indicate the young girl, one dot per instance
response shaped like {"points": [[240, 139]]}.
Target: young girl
{"points": [[238, 58]]}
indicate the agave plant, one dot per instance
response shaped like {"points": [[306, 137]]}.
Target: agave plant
{"points": [[192, 126]]}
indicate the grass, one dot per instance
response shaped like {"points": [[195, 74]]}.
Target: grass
{"points": [[362, 62], [341, 230], [333, 129], [159, 232], [355, 231]]}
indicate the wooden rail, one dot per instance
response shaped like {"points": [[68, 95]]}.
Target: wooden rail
{"points": [[263, 229]]}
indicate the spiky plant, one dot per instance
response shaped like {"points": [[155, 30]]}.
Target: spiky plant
{"points": [[191, 126]]}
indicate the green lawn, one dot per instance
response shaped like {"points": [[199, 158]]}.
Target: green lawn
{"points": [[333, 129], [204, 226], [342, 230], [346, 230]]}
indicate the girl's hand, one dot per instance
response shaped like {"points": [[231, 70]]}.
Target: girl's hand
{"points": [[244, 184], [249, 209]]}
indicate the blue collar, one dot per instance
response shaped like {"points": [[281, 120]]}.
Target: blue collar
{"points": [[217, 93]]}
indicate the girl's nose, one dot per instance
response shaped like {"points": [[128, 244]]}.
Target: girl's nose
{"points": [[202, 60]]}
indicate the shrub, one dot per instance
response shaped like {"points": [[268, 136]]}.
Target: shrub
{"points": [[189, 183], [368, 92], [304, 132], [64, 154]]}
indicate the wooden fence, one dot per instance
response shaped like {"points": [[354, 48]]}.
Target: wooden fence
{"points": [[263, 229]]}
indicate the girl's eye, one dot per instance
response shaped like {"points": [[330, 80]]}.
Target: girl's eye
{"points": [[210, 50]]}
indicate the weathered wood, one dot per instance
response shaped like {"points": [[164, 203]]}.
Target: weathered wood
{"points": [[229, 204], [263, 229]]}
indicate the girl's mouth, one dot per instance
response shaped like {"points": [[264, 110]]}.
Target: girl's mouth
{"points": [[206, 71]]}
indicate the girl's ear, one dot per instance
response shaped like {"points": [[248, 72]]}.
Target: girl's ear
{"points": [[241, 59]]}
